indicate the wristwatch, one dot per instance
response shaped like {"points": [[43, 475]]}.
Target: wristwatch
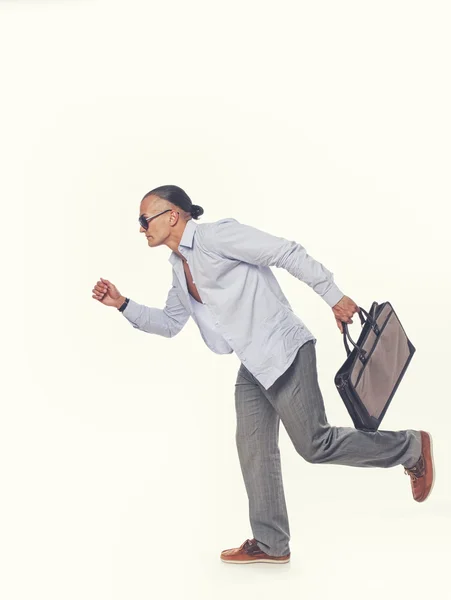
{"points": [[123, 305]]}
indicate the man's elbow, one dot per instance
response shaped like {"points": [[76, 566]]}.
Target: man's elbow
{"points": [[173, 329]]}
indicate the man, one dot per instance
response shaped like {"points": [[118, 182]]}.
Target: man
{"points": [[222, 279]]}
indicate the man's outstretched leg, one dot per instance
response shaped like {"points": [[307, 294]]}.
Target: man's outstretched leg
{"points": [[297, 398]]}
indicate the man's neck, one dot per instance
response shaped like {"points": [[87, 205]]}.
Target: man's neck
{"points": [[174, 243]]}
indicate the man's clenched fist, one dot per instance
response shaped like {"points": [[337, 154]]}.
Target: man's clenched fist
{"points": [[107, 293], [343, 311]]}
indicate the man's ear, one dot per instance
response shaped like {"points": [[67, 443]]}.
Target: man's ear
{"points": [[174, 218]]}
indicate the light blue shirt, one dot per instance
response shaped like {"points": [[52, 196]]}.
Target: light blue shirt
{"points": [[244, 309]]}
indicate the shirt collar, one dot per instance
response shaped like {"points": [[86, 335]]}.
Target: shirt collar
{"points": [[187, 238]]}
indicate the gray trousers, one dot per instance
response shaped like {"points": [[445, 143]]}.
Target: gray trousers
{"points": [[295, 398]]}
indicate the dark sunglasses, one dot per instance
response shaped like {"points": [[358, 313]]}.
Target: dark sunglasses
{"points": [[144, 221]]}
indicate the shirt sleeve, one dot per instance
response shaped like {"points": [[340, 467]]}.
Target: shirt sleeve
{"points": [[236, 241], [167, 322]]}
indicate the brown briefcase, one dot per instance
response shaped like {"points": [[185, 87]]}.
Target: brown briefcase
{"points": [[373, 370]]}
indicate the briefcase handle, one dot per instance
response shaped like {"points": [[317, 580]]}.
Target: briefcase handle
{"points": [[346, 334]]}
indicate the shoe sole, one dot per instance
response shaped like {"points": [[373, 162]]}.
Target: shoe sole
{"points": [[258, 560], [433, 468]]}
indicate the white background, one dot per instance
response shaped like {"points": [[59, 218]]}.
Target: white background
{"points": [[323, 122]]}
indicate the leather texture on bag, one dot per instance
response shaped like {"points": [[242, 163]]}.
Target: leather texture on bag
{"points": [[373, 370]]}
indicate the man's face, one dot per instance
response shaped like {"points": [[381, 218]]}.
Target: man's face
{"points": [[159, 229]]}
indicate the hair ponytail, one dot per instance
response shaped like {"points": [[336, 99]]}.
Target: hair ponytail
{"points": [[175, 195]]}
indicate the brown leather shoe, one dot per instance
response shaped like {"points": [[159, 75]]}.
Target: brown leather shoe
{"points": [[422, 474], [249, 552]]}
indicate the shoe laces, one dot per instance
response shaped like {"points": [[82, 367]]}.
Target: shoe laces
{"points": [[413, 477], [251, 547], [417, 470]]}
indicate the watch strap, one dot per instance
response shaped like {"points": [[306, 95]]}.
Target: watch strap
{"points": [[123, 305]]}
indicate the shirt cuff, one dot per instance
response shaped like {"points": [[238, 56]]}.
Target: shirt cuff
{"points": [[332, 296], [132, 311]]}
